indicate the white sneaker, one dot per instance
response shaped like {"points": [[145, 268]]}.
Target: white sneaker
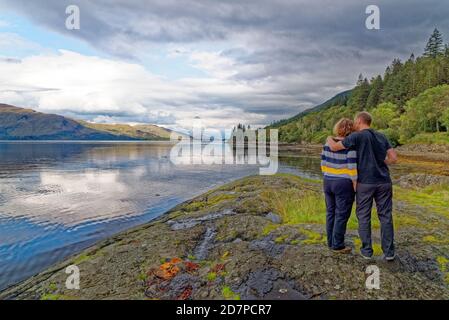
{"points": [[390, 258], [366, 257]]}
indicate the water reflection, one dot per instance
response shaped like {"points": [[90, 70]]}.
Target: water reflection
{"points": [[58, 198]]}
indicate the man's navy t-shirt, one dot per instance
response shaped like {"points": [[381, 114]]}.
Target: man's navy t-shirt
{"points": [[371, 147]]}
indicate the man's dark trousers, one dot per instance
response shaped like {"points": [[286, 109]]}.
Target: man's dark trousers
{"points": [[382, 194]]}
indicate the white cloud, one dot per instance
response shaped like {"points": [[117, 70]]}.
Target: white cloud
{"points": [[214, 63], [108, 90]]}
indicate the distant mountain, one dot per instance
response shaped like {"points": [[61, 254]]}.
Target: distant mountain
{"points": [[26, 124], [140, 132]]}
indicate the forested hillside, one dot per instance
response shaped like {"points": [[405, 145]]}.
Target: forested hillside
{"points": [[409, 102]]}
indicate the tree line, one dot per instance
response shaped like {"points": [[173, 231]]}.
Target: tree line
{"points": [[409, 101]]}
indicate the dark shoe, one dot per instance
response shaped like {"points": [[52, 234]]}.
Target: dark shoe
{"points": [[345, 250]]}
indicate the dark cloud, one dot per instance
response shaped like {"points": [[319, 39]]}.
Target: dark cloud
{"points": [[303, 51]]}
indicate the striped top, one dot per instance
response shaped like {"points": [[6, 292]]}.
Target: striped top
{"points": [[340, 164]]}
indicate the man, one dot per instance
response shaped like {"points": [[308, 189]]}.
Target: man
{"points": [[374, 153]]}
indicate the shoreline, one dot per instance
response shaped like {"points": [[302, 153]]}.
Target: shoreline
{"points": [[419, 152], [237, 232]]}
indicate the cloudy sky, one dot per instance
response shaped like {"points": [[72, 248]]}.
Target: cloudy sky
{"points": [[226, 61]]}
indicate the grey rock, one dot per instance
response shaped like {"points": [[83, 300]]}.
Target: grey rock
{"points": [[273, 217], [190, 223], [267, 245], [202, 250]]}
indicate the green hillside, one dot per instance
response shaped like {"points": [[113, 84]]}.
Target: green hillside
{"points": [[410, 102], [339, 99]]}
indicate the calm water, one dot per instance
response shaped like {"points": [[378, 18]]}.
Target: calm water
{"points": [[57, 198]]}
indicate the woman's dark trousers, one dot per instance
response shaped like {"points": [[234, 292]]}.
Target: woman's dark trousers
{"points": [[339, 193]]}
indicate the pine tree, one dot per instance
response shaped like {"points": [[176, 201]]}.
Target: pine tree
{"points": [[434, 46], [428, 50], [360, 94], [412, 76], [375, 92], [394, 85]]}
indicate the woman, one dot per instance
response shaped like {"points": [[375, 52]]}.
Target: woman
{"points": [[340, 181]]}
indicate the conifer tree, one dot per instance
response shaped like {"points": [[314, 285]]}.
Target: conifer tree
{"points": [[359, 95], [434, 46], [375, 92]]}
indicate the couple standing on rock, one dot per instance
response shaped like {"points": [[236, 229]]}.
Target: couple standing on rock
{"points": [[355, 165]]}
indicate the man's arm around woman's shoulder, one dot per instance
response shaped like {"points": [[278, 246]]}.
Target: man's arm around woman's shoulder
{"points": [[334, 145]]}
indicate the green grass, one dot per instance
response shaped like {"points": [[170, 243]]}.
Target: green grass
{"points": [[296, 206], [443, 266], [206, 202], [312, 237], [270, 227], [228, 294], [442, 263], [52, 287], [435, 198], [211, 276], [81, 258], [434, 240], [53, 297], [280, 239], [377, 249], [142, 276], [50, 296], [225, 255], [298, 179]]}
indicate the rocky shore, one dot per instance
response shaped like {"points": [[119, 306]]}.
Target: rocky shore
{"points": [[425, 152], [420, 152], [261, 237]]}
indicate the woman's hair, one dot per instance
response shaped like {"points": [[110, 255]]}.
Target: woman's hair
{"points": [[344, 127]]}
